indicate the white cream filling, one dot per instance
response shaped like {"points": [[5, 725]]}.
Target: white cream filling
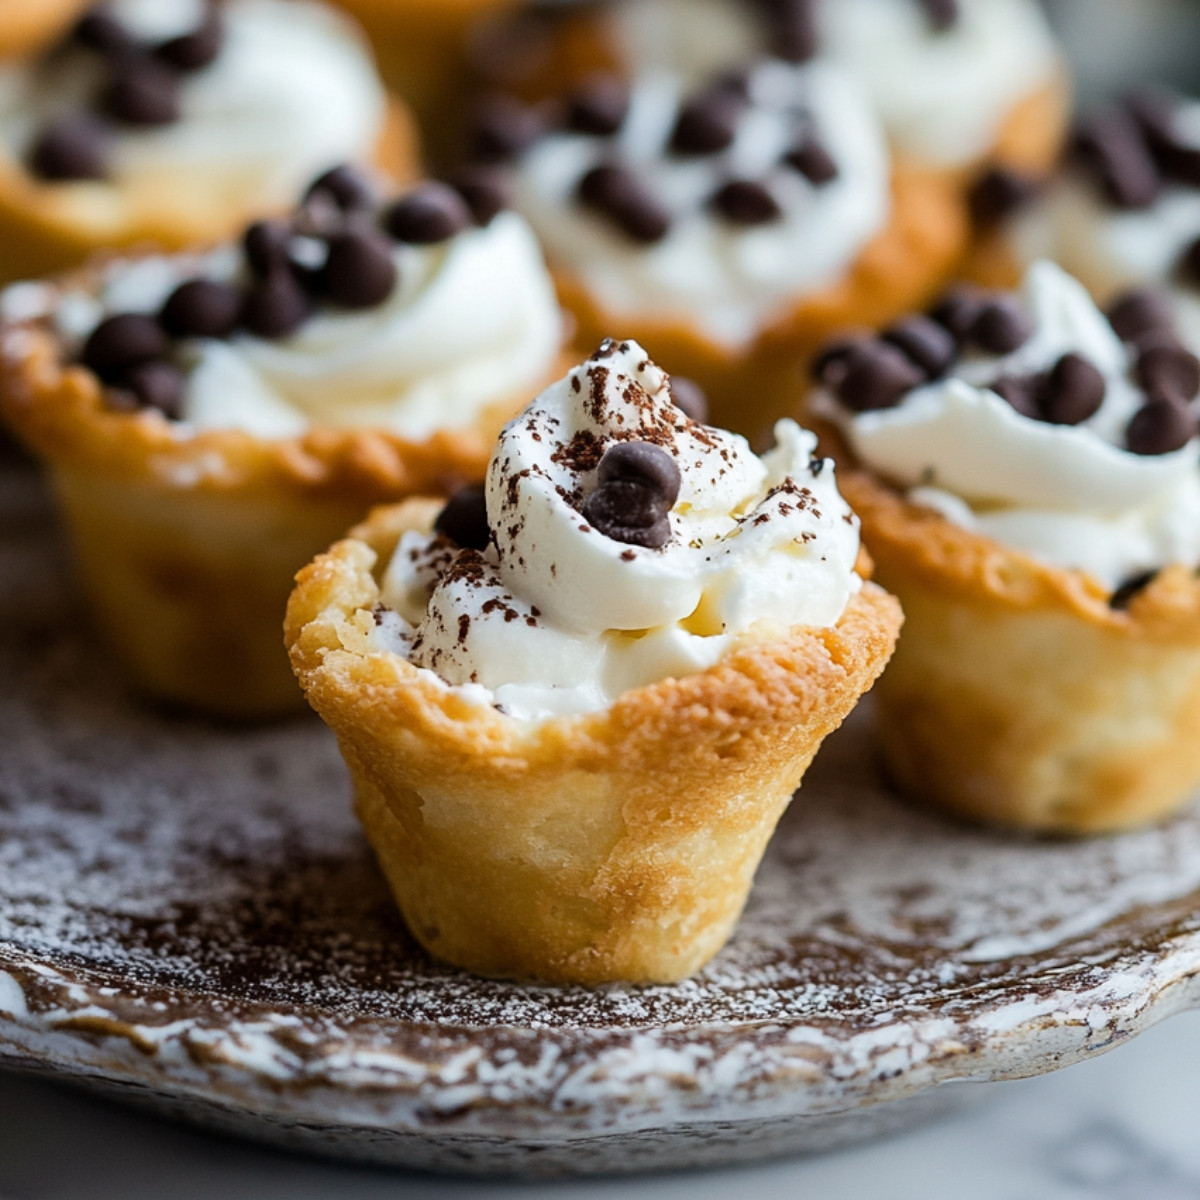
{"points": [[1071, 496], [561, 619], [943, 96], [292, 92], [471, 323], [728, 280]]}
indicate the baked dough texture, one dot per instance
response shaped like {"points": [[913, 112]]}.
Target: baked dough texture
{"points": [[187, 545], [902, 268], [1018, 695], [617, 846], [27, 26]]}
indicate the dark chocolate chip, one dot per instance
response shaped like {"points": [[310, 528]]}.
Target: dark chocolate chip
{"points": [[599, 107], [464, 520], [484, 191], [1189, 264], [875, 375], [746, 202], [1074, 391], [196, 50], [202, 308], [1112, 144], [833, 358], [1124, 596], [707, 123], [942, 15], [155, 384], [265, 244], [1001, 327], [142, 92], [348, 187], [793, 28], [620, 195], [630, 512], [643, 463], [360, 271], [276, 304], [123, 341], [73, 147], [689, 398], [1156, 111], [999, 193], [959, 309], [1167, 369], [1023, 393], [1138, 312], [431, 213], [811, 157], [100, 30], [502, 129], [930, 345], [1161, 426]]}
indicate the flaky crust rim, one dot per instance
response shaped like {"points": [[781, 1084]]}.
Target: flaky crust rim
{"points": [[59, 411], [911, 542], [754, 693]]}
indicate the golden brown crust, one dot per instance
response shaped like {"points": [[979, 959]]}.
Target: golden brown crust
{"points": [[613, 846], [47, 228], [1031, 138], [27, 26], [901, 269]]}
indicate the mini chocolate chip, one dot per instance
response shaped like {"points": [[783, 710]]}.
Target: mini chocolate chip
{"points": [[142, 92], [196, 50], [1156, 110], [1165, 368], [73, 147], [833, 358], [1001, 327], [942, 15], [1189, 264], [156, 384], [793, 28], [599, 107], [100, 30], [689, 398], [123, 341], [1138, 312], [811, 157], [707, 123], [431, 213], [1113, 145], [1161, 426], [620, 195], [201, 308], [464, 520], [348, 187], [275, 305], [999, 193], [644, 463], [1121, 599], [502, 129], [360, 271], [484, 191], [1022, 392], [930, 345], [875, 375], [959, 309], [265, 244], [746, 202], [630, 512], [1074, 391]]}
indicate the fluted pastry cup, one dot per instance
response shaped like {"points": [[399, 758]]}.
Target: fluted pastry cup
{"points": [[620, 845]]}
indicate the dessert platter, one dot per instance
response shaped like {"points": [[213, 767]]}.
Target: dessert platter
{"points": [[583, 463], [188, 923]]}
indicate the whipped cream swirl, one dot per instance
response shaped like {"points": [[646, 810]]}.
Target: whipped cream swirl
{"points": [[727, 279], [1069, 495], [943, 94], [292, 91], [556, 618]]}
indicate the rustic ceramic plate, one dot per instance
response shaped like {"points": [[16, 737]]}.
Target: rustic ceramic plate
{"points": [[189, 915]]}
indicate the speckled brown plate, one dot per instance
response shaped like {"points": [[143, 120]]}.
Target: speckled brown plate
{"points": [[188, 915]]}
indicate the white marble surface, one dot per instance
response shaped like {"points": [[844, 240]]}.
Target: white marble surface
{"points": [[1120, 1127]]}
